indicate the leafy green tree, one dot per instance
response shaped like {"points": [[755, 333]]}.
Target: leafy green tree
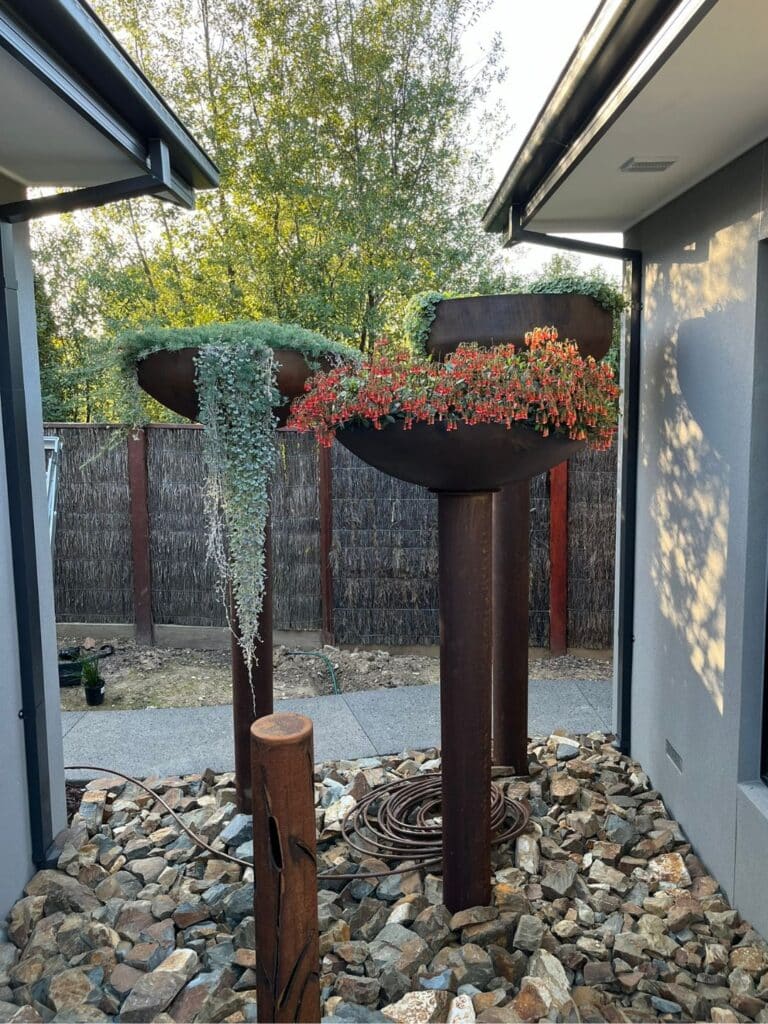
{"points": [[352, 142]]}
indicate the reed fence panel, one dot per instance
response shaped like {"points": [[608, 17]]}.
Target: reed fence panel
{"points": [[383, 554]]}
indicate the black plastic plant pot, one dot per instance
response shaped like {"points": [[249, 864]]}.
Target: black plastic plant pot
{"points": [[480, 457], [94, 695]]}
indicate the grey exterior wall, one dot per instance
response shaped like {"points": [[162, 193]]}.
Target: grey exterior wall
{"points": [[15, 849], [702, 507]]}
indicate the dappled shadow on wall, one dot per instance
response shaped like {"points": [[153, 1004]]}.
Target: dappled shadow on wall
{"points": [[694, 430]]}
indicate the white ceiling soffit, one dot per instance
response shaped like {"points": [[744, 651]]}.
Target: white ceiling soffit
{"points": [[703, 108], [43, 141]]}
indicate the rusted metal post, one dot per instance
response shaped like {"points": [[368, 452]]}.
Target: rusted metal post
{"points": [[465, 534], [138, 492], [511, 583], [325, 503], [249, 704], [285, 869], [558, 559]]}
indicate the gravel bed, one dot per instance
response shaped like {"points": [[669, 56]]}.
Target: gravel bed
{"points": [[601, 911]]}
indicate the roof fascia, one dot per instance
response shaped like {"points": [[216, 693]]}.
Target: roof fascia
{"points": [[612, 40], [26, 49], [654, 56], [85, 42]]}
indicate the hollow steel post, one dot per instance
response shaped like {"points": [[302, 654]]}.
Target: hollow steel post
{"points": [[465, 528], [511, 516], [249, 704], [285, 869]]}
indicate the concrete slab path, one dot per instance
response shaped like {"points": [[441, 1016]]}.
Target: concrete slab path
{"points": [[178, 741]]}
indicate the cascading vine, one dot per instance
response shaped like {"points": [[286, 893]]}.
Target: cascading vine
{"points": [[236, 390]]}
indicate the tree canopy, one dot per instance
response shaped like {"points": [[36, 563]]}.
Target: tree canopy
{"points": [[353, 144]]}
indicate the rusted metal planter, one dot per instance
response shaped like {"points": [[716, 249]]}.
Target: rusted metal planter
{"points": [[492, 320], [169, 377], [483, 457]]}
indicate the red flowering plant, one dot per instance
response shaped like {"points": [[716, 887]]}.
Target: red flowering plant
{"points": [[546, 384]]}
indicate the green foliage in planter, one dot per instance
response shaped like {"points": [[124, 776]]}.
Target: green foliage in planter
{"points": [[237, 392], [90, 675], [135, 345], [561, 276]]}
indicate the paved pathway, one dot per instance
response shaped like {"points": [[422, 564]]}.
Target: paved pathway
{"points": [[175, 741]]}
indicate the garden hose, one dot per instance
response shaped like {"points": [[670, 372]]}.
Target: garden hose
{"points": [[326, 659], [395, 822]]}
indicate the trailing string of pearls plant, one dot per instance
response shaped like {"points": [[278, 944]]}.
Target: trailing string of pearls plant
{"points": [[237, 393], [234, 372]]}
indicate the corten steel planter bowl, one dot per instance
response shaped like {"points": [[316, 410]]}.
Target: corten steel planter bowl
{"points": [[497, 319], [169, 377], [480, 457]]}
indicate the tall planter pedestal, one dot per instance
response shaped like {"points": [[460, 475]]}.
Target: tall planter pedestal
{"points": [[511, 585], [465, 545], [480, 474]]}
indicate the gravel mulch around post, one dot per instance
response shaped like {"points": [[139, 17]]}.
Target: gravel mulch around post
{"points": [[601, 911]]}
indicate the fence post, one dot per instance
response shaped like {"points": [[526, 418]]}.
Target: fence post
{"points": [[285, 869], [325, 500], [138, 489], [558, 559]]}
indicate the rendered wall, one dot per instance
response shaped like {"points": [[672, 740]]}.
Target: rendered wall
{"points": [[15, 851], [702, 501]]}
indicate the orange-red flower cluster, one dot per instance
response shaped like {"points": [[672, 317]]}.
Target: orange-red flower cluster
{"points": [[546, 384]]}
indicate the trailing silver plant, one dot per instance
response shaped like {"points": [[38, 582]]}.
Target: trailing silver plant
{"points": [[236, 391]]}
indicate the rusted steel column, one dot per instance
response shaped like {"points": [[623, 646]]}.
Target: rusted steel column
{"points": [[284, 869], [558, 559], [247, 704], [511, 516], [465, 529], [325, 503], [138, 492]]}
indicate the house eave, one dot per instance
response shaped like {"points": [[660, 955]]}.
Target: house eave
{"points": [[612, 42], [66, 46]]}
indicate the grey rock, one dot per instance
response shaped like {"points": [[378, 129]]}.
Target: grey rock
{"points": [[238, 831], [529, 933]]}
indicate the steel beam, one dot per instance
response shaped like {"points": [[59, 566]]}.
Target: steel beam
{"points": [[252, 699], [511, 585], [465, 540]]}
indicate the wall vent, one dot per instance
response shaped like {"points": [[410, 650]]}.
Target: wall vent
{"points": [[674, 757], [633, 165]]}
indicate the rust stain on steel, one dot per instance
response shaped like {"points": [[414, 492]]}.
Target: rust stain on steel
{"points": [[247, 704], [511, 585], [285, 870], [465, 540]]}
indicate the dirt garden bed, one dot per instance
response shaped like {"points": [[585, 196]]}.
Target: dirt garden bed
{"points": [[142, 677]]}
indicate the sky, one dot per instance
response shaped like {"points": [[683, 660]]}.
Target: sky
{"points": [[538, 38]]}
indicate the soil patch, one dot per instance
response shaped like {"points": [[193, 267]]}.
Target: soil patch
{"points": [[161, 677]]}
